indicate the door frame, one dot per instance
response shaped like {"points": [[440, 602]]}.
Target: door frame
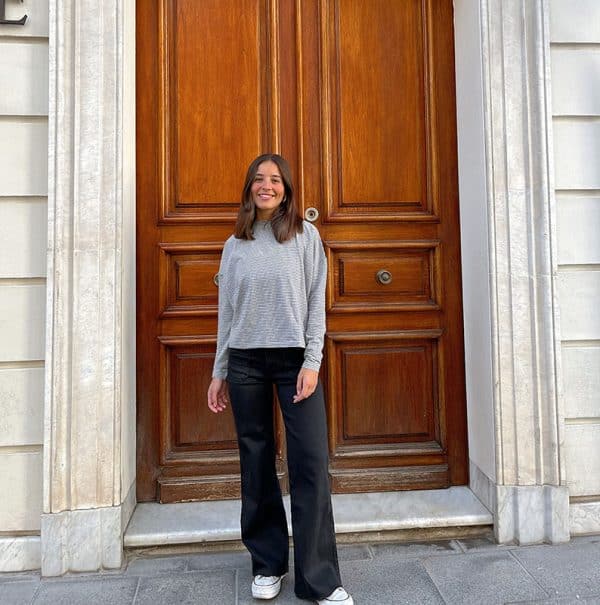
{"points": [[476, 208], [421, 447]]}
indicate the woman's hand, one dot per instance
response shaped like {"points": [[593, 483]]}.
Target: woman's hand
{"points": [[218, 395], [306, 384]]}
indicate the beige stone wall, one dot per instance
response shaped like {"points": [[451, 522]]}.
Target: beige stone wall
{"points": [[23, 228], [575, 63]]}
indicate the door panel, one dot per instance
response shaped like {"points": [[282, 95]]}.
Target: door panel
{"points": [[385, 410], [193, 440], [214, 61], [187, 286], [410, 283], [370, 52], [359, 96]]}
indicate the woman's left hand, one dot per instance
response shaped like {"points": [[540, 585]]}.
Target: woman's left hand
{"points": [[306, 384]]}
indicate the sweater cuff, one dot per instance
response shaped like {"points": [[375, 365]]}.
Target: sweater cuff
{"points": [[311, 365]]}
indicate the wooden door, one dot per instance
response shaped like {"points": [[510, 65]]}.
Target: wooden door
{"points": [[359, 96]]}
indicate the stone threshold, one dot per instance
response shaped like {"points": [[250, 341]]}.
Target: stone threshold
{"points": [[154, 525]]}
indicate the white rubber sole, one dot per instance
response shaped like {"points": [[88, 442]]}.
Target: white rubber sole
{"points": [[347, 601], [266, 592]]}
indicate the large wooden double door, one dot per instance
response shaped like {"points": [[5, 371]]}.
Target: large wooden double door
{"points": [[359, 96]]}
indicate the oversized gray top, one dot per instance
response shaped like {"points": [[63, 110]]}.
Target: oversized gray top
{"points": [[272, 295]]}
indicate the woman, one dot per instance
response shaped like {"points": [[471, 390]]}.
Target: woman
{"points": [[270, 331]]}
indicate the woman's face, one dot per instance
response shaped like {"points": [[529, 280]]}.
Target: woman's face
{"points": [[267, 190]]}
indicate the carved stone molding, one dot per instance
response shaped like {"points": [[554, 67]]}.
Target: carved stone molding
{"points": [[82, 428], [522, 253]]}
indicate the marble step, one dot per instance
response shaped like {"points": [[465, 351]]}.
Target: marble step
{"points": [[154, 524]]}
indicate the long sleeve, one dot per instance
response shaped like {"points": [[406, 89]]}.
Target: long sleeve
{"points": [[316, 279], [224, 320], [272, 295]]}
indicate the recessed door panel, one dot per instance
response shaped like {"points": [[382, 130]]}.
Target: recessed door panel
{"points": [[379, 276], [216, 101], [404, 402]]}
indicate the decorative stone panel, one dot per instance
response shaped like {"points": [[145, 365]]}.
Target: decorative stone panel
{"points": [[532, 499]]}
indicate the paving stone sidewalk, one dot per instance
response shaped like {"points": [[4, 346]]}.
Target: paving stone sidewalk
{"points": [[467, 571]]}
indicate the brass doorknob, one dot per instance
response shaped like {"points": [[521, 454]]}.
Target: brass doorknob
{"points": [[384, 277], [311, 214]]}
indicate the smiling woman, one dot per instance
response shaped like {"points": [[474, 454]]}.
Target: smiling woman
{"points": [[268, 194], [271, 325], [267, 190]]}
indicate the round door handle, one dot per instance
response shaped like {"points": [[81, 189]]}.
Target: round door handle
{"points": [[384, 277], [311, 214], [216, 279]]}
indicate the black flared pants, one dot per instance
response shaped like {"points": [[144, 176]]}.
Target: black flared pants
{"points": [[251, 375]]}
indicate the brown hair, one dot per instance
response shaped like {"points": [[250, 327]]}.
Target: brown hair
{"points": [[286, 221]]}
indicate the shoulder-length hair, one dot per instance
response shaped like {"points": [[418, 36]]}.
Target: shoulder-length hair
{"points": [[286, 220]]}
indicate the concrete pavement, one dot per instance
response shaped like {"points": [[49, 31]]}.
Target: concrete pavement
{"points": [[458, 571]]}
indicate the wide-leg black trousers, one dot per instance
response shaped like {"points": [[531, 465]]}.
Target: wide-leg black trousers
{"points": [[251, 375]]}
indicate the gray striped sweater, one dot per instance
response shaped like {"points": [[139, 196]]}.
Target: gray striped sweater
{"points": [[272, 295]]}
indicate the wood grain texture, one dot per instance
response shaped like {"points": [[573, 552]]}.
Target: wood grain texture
{"points": [[381, 119], [359, 96], [354, 268], [187, 284], [211, 85], [377, 143], [398, 378], [384, 479]]}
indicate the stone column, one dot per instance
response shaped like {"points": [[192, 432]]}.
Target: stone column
{"points": [[532, 501], [87, 498]]}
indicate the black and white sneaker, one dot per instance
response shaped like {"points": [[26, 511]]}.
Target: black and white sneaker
{"points": [[266, 587], [338, 597]]}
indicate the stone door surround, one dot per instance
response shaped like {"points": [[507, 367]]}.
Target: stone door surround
{"points": [[89, 444]]}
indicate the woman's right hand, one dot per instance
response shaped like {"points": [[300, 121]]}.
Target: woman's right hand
{"points": [[218, 395]]}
